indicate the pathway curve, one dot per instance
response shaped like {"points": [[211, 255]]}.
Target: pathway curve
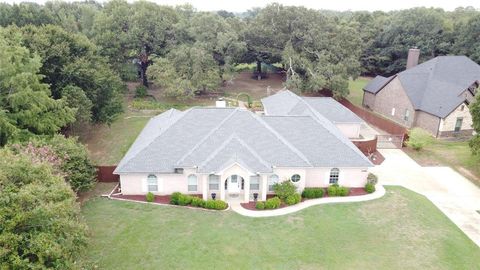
{"points": [[235, 206], [453, 194]]}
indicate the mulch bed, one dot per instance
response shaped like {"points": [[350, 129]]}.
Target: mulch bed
{"points": [[163, 199], [353, 192]]}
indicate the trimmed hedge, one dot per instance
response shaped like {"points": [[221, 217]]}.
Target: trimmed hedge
{"points": [[293, 199], [178, 198], [197, 202], [150, 197], [336, 190], [312, 193], [260, 205], [273, 203], [216, 204], [174, 198], [370, 188]]}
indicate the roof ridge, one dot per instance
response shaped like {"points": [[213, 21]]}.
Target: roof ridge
{"points": [[213, 130], [281, 138]]}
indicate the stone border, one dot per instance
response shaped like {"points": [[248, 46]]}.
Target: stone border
{"points": [[379, 192]]}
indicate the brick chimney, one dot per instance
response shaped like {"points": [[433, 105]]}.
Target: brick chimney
{"points": [[413, 55]]}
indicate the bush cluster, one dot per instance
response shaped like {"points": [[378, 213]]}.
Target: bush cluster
{"points": [[312, 193], [260, 205], [178, 198], [284, 189], [372, 179], [336, 190], [141, 91], [293, 199], [369, 188], [273, 203], [150, 197]]}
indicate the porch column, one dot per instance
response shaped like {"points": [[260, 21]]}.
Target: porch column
{"points": [[246, 190], [264, 187], [222, 189], [204, 187]]}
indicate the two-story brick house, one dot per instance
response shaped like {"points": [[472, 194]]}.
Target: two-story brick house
{"points": [[433, 95]]}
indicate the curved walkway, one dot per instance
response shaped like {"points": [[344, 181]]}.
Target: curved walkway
{"points": [[380, 191]]}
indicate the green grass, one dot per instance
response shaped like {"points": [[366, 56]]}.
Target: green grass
{"points": [[403, 230], [149, 104], [356, 92], [448, 153]]}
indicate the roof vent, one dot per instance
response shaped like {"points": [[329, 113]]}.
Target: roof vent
{"points": [[221, 103], [413, 56]]}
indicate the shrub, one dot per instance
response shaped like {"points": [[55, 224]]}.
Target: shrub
{"points": [[284, 189], [370, 188], [216, 204], [419, 138], [140, 91], [273, 203], [260, 205], [312, 193], [184, 199], [332, 190], [372, 179], [150, 197], [197, 202], [293, 199], [174, 198], [343, 191]]}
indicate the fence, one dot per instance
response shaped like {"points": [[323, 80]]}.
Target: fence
{"points": [[376, 120], [105, 174], [367, 147]]}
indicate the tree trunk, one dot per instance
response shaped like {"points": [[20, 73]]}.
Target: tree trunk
{"points": [[259, 69], [143, 68]]}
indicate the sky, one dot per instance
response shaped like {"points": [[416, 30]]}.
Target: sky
{"points": [[340, 5]]}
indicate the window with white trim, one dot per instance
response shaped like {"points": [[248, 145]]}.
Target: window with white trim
{"points": [[213, 182], [407, 115], [192, 182], [272, 180], [295, 178], [255, 182], [334, 174], [152, 183], [393, 111]]}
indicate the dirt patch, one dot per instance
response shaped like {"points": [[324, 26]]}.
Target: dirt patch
{"points": [[257, 89]]}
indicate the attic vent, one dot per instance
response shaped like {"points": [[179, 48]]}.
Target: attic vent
{"points": [[179, 170]]}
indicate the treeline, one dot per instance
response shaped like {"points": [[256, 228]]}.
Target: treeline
{"points": [[183, 50]]}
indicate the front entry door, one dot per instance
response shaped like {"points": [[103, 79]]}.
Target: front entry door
{"points": [[234, 184]]}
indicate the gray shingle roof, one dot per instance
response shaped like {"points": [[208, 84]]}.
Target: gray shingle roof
{"points": [[288, 103], [213, 138], [377, 83], [436, 86]]}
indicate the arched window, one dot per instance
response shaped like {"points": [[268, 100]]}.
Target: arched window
{"points": [[152, 182], [213, 182], [295, 178], [272, 180], [334, 173], [192, 182]]}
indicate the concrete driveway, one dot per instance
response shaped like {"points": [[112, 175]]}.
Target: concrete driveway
{"points": [[452, 193]]}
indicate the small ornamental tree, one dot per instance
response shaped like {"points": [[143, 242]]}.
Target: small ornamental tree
{"points": [[284, 189], [419, 138]]}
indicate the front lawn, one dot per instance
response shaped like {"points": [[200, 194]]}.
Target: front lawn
{"points": [[447, 153], [403, 230]]}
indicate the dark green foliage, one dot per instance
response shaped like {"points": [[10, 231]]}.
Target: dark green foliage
{"points": [[312, 193], [175, 197], [150, 197], [475, 111], [141, 91], [260, 205], [184, 199], [273, 203], [284, 189], [369, 188], [41, 226], [474, 144]]}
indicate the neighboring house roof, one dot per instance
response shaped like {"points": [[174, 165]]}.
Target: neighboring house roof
{"points": [[436, 86], [212, 139], [377, 84], [288, 103]]}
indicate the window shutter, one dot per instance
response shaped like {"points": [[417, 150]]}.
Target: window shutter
{"points": [[144, 185]]}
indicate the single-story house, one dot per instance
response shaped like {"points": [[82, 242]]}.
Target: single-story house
{"points": [[433, 95], [235, 153], [288, 103]]}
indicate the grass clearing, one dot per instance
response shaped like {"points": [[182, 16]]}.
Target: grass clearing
{"points": [[356, 92], [449, 153], [403, 230]]}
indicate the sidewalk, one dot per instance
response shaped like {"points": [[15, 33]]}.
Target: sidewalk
{"points": [[380, 191]]}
